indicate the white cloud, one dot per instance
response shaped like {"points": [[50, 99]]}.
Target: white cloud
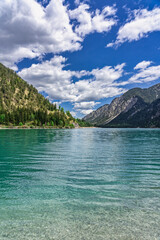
{"points": [[73, 114], [45, 1], [108, 74], [145, 73], [143, 65], [90, 22], [85, 105], [143, 23], [86, 112], [52, 78], [56, 103], [78, 2], [29, 30], [101, 85]]}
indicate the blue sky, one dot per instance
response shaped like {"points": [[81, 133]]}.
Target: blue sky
{"points": [[82, 54]]}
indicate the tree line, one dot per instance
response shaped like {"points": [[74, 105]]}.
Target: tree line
{"points": [[21, 116]]}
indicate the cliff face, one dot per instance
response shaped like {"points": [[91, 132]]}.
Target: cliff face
{"points": [[129, 110], [138, 116]]}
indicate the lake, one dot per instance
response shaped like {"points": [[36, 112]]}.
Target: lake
{"points": [[80, 184]]}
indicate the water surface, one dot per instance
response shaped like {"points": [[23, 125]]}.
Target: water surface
{"points": [[80, 184]]}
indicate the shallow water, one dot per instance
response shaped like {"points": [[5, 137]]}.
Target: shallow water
{"points": [[80, 184]]}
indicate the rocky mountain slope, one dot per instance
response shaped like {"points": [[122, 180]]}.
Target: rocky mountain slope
{"points": [[136, 108]]}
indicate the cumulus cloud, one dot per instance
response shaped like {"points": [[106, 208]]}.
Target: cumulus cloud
{"points": [[29, 30], [89, 22], [143, 65], [85, 107], [144, 73], [78, 2], [73, 113], [51, 77], [108, 74], [86, 112], [143, 23]]}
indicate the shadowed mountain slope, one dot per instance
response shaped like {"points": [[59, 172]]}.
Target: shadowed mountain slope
{"points": [[136, 108]]}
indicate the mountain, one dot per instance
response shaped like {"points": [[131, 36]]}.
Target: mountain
{"points": [[136, 108], [21, 104], [16, 93]]}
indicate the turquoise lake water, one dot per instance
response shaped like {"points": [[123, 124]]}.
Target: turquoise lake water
{"points": [[80, 184]]}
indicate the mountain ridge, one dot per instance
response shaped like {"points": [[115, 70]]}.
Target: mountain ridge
{"points": [[15, 92], [136, 98], [22, 105]]}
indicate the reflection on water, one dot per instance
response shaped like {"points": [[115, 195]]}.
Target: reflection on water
{"points": [[80, 184]]}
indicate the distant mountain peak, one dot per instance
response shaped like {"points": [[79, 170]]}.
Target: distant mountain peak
{"points": [[130, 110]]}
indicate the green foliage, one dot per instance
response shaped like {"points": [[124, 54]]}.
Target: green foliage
{"points": [[20, 116], [32, 117], [71, 126], [2, 118], [83, 123], [21, 104], [15, 92], [70, 116]]}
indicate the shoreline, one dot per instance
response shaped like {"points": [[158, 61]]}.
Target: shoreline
{"points": [[38, 128], [63, 128]]}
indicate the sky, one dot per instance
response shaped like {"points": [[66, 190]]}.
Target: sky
{"points": [[82, 54]]}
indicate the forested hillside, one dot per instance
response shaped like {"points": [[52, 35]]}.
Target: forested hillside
{"points": [[21, 104]]}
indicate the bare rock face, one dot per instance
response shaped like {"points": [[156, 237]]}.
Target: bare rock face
{"points": [[129, 104]]}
